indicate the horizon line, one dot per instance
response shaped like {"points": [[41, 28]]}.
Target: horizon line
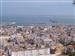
{"points": [[35, 1]]}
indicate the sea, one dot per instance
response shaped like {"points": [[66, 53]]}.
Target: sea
{"points": [[62, 13]]}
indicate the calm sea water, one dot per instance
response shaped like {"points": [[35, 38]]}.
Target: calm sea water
{"points": [[39, 13], [39, 20]]}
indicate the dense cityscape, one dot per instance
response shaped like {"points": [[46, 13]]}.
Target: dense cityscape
{"points": [[37, 28], [37, 40]]}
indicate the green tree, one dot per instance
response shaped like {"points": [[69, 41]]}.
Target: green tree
{"points": [[72, 54]]}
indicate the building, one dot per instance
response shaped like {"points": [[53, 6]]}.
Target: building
{"points": [[34, 52]]}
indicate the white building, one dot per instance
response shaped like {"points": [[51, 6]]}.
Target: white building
{"points": [[36, 52]]}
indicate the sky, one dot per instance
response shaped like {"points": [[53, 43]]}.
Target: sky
{"points": [[36, 0], [36, 8]]}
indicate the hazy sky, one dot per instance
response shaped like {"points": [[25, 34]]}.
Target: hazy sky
{"points": [[36, 0], [36, 8]]}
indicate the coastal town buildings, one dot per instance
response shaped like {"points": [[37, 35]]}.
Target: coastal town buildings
{"points": [[52, 40]]}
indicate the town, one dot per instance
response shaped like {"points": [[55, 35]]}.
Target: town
{"points": [[37, 40]]}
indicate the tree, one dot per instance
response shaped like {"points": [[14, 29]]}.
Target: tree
{"points": [[72, 54], [73, 1]]}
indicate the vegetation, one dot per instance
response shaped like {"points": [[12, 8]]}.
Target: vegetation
{"points": [[72, 54]]}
